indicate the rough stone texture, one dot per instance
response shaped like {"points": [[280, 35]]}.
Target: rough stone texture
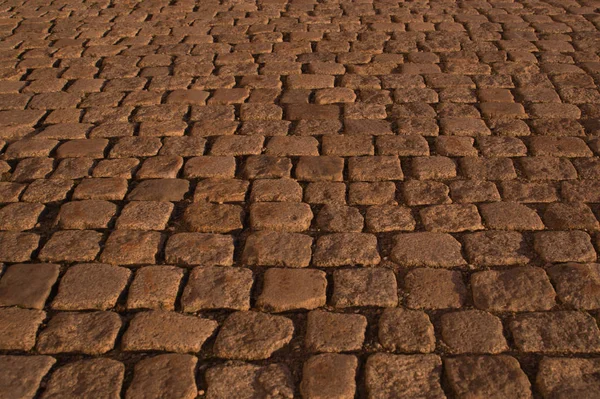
{"points": [[472, 331], [364, 287], [217, 288], [289, 289], [329, 376], [562, 331], [406, 331], [21, 376], [167, 331], [331, 162], [487, 377], [28, 285], [248, 381], [18, 328], [95, 378], [252, 335], [334, 332], [170, 376], [89, 333], [407, 376], [564, 378], [518, 289], [93, 286]]}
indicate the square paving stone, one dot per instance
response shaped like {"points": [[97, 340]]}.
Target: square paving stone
{"points": [[217, 288], [291, 289], [329, 376], [252, 336], [427, 249], [204, 217], [277, 216], [221, 190], [487, 377], [18, 328], [510, 216], [339, 218], [407, 376], [406, 331], [17, 247], [276, 190], [145, 215], [167, 331], [434, 289], [88, 333], [20, 216], [108, 188], [170, 376], [154, 287], [160, 190], [248, 381], [22, 375], [496, 248], [91, 286], [343, 249], [364, 287], [334, 332], [472, 331], [87, 214], [93, 378], [129, 247], [577, 285], [567, 378], [28, 285], [199, 249], [270, 248], [386, 218], [564, 246], [516, 290], [452, 218], [72, 246], [563, 331]]}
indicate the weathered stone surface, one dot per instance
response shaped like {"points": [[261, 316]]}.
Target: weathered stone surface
{"points": [[170, 376], [334, 332], [364, 287], [562, 331], [97, 378], [577, 285], [89, 333], [248, 381], [341, 249], [329, 376], [28, 285], [252, 335], [18, 328], [217, 288], [406, 331], [473, 331], [167, 331], [427, 249], [290, 289], [564, 377], [487, 377], [434, 289], [270, 248], [22, 375], [408, 376], [154, 287]]}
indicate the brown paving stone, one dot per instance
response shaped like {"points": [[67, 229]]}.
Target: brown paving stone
{"points": [[247, 381], [145, 215], [269, 248], [577, 285], [217, 288], [472, 331], [562, 331], [90, 286], [427, 249], [406, 331], [487, 376], [86, 214], [334, 332], [205, 217], [98, 378], [199, 249], [19, 328], [72, 246], [72, 332], [290, 289], [28, 285], [154, 287], [564, 377], [128, 247], [329, 375], [341, 249], [252, 336], [364, 287], [410, 376], [167, 376], [23, 374], [167, 331]]}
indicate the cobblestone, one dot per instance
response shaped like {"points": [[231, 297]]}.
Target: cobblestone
{"points": [[359, 198]]}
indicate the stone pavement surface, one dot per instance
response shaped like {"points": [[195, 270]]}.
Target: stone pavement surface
{"points": [[299, 199]]}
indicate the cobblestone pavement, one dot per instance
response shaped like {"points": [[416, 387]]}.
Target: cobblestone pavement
{"points": [[299, 199]]}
